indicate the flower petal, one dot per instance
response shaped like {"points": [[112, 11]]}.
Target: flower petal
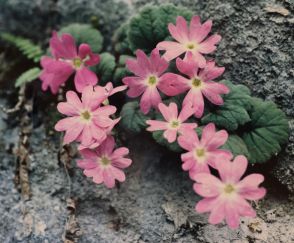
{"points": [[173, 49], [179, 31], [156, 125], [172, 84], [83, 78], [206, 205], [189, 141], [208, 45], [198, 31], [170, 135], [150, 98]]}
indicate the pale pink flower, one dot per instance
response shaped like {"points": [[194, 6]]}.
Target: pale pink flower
{"points": [[87, 121], [66, 61], [198, 84], [189, 40], [174, 123], [204, 152], [101, 95], [95, 143], [226, 198], [104, 163], [148, 78]]}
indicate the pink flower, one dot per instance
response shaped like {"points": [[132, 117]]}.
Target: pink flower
{"points": [[198, 84], [101, 95], [174, 124], [104, 163], [148, 78], [67, 60], [204, 152], [95, 143], [226, 198], [189, 40], [87, 121]]}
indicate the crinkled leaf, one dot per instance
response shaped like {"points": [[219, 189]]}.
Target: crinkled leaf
{"points": [[121, 71], [120, 39], [236, 145], [84, 33], [132, 118], [119, 74], [268, 130], [105, 69], [227, 116], [28, 76], [239, 95], [150, 26], [122, 60]]}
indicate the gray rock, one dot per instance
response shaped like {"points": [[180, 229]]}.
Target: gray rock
{"points": [[156, 202]]}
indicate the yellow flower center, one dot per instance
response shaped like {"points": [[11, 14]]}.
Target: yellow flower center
{"points": [[196, 83], [105, 161], [229, 189], [77, 62], [86, 115], [152, 80], [175, 124], [200, 152], [190, 46]]}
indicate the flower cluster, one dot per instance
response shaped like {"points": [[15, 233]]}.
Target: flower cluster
{"points": [[89, 119], [226, 197]]}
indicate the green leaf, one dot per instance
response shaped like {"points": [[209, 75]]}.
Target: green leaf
{"points": [[236, 145], [239, 95], [28, 76], [227, 116], [120, 39], [234, 112], [27, 47], [158, 137], [105, 69], [120, 73], [267, 131], [132, 119], [122, 60], [84, 33], [150, 26]]}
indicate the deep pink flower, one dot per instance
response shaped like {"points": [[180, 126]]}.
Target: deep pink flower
{"points": [[204, 152], [87, 121], [189, 40], [174, 123], [104, 163], [67, 60], [198, 84], [148, 78], [226, 198]]}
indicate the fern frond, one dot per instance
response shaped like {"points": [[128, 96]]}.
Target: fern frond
{"points": [[28, 76], [27, 47]]}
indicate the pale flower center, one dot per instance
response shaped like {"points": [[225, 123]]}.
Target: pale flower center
{"points": [[77, 62], [86, 115], [229, 188], [200, 152], [105, 161], [191, 46], [174, 124], [152, 80], [196, 83]]}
